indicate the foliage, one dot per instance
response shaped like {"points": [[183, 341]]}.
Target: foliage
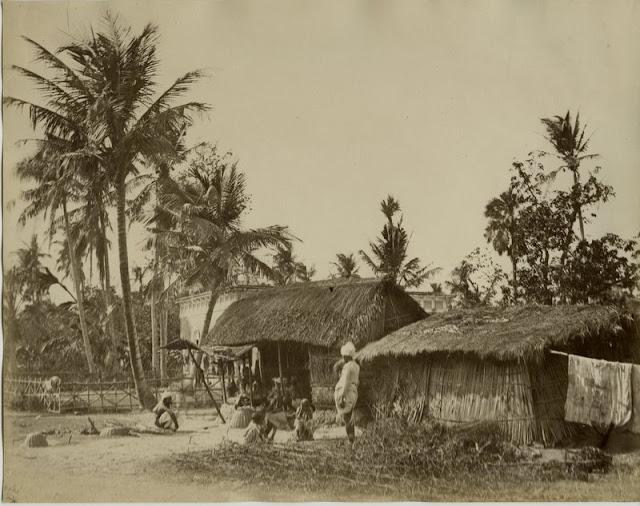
{"points": [[436, 288], [534, 220], [596, 268], [346, 266], [390, 251], [571, 146], [475, 281], [288, 269], [47, 337], [503, 231]]}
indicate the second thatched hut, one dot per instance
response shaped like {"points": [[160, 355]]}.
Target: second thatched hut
{"points": [[495, 365], [299, 329]]}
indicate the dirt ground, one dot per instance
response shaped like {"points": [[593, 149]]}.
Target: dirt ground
{"points": [[76, 468]]}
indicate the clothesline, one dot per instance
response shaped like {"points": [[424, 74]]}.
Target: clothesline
{"points": [[554, 352]]}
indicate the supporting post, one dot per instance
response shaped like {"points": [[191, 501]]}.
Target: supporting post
{"points": [[280, 370], [222, 365], [206, 385], [260, 366]]}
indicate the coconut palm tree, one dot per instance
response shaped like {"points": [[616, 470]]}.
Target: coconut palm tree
{"points": [[346, 265], [55, 185], [503, 232], [29, 270], [211, 201], [570, 142], [111, 82], [390, 251], [288, 269]]}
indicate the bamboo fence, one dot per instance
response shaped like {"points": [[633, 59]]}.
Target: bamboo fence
{"points": [[106, 396]]}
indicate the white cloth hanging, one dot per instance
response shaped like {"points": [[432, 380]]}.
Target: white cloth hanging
{"points": [[255, 359], [599, 392]]}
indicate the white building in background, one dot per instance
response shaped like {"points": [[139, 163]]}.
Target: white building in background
{"points": [[433, 302], [193, 309]]}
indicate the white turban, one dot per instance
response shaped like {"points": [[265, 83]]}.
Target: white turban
{"points": [[165, 395], [348, 350]]}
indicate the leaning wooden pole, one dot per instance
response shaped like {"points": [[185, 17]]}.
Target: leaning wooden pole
{"points": [[206, 385]]}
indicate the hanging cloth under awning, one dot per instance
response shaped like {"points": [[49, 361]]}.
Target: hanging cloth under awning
{"points": [[230, 353], [255, 359], [599, 392]]}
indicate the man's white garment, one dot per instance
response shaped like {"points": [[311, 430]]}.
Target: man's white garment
{"points": [[347, 387]]}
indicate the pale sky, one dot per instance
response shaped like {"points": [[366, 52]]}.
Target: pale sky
{"points": [[331, 105]]}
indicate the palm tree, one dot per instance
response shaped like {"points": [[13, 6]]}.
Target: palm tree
{"points": [[305, 273], [502, 231], [571, 145], [55, 186], [390, 251], [29, 270], [116, 73], [288, 269], [110, 85], [210, 240], [346, 265]]}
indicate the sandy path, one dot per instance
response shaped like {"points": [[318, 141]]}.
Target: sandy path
{"points": [[93, 469]]}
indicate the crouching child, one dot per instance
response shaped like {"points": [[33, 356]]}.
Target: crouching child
{"points": [[304, 421], [165, 417], [260, 430]]}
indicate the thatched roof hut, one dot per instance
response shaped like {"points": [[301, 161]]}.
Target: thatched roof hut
{"points": [[322, 313], [312, 320], [520, 332], [493, 364]]}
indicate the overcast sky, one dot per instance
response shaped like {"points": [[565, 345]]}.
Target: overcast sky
{"points": [[332, 105]]}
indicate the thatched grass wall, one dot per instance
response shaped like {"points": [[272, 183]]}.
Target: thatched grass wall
{"points": [[493, 364], [460, 390]]}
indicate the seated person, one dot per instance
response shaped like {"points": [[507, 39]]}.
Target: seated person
{"points": [[303, 424], [275, 400], [289, 395], [165, 417], [260, 430]]}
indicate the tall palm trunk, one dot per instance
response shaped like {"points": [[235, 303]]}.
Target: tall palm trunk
{"points": [[107, 287], [155, 350], [213, 298], [514, 276], [145, 397], [77, 282], [163, 340]]}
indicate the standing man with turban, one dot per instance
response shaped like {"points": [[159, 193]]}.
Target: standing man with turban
{"points": [[346, 391]]}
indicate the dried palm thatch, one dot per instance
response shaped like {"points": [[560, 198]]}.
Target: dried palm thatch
{"points": [[490, 364], [524, 405], [323, 313], [520, 332]]}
